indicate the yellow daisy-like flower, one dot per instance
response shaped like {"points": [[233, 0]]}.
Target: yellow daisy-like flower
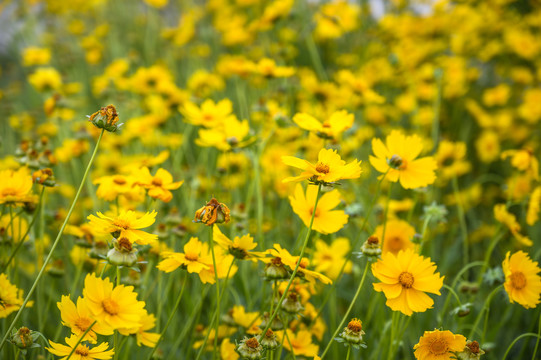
{"points": [[301, 343], [291, 261], [126, 225], [534, 206], [398, 158], [16, 187], [398, 235], [326, 220], [116, 307], [11, 298], [194, 259], [209, 114], [405, 278], [330, 258], [82, 352], [329, 168], [239, 247], [159, 185], [439, 345], [331, 128], [233, 133], [143, 337], [510, 221], [522, 283], [79, 318]]}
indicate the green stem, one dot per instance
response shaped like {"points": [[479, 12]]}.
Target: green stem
{"points": [[517, 339], [55, 244], [393, 335], [382, 240], [462, 220], [346, 315], [454, 293], [217, 323], [348, 355], [488, 254], [170, 317], [20, 243], [486, 307], [289, 341], [81, 339], [538, 337], [271, 319]]}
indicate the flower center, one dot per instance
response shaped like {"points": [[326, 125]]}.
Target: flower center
{"points": [[124, 244], [406, 280], [119, 181], [438, 347], [312, 212], [355, 325], [474, 347], [83, 323], [121, 224], [191, 256], [9, 192], [252, 343], [157, 182], [110, 306], [395, 244], [277, 261], [518, 280], [82, 350], [322, 168]]}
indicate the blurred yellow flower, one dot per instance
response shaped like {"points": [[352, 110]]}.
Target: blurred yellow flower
{"points": [[142, 336], [331, 128], [194, 259], [301, 343], [502, 215], [522, 282], [398, 236], [209, 114], [159, 185], [16, 187], [239, 247], [534, 206], [36, 56], [329, 259], [11, 298], [45, 79]]}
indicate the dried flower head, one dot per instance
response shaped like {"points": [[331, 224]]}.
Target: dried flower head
{"points": [[213, 212], [106, 118]]}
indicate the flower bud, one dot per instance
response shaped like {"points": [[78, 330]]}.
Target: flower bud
{"points": [[123, 253], [471, 351], [250, 348], [371, 248], [269, 340], [106, 118], [44, 177], [353, 333], [24, 338], [291, 303], [275, 270]]}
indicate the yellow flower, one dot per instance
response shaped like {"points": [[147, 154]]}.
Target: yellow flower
{"points": [[224, 266], [534, 206], [232, 133], [248, 320], [116, 307], [239, 247], [398, 236], [405, 278], [194, 259], [523, 160], [79, 318], [522, 283], [439, 345], [11, 298], [15, 232], [158, 185], [148, 321], [505, 217], [16, 187], [450, 159], [301, 343], [329, 259], [110, 187], [267, 68], [397, 158], [227, 350], [45, 79], [125, 225], [328, 169], [36, 56], [291, 261], [82, 352], [209, 115], [331, 128], [326, 220]]}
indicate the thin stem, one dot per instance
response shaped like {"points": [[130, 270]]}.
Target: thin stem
{"points": [[55, 244], [486, 307], [346, 315], [349, 353], [488, 254], [20, 243], [538, 337], [170, 317], [454, 294], [217, 324], [289, 341], [271, 319], [81, 339], [382, 240], [517, 339], [393, 335], [462, 221]]}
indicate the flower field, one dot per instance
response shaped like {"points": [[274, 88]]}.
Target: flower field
{"points": [[270, 179]]}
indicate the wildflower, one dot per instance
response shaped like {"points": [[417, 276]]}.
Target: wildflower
{"points": [[534, 206], [450, 159], [227, 350], [240, 247], [397, 158], [291, 262], [232, 134], [16, 187], [116, 307], [82, 352], [106, 118], [523, 160], [487, 146], [267, 67], [250, 348], [522, 282], [44, 177], [122, 253], [329, 168], [371, 248], [326, 220], [159, 185], [142, 336], [275, 269], [79, 318], [438, 345], [505, 217], [111, 187], [291, 303], [213, 212], [471, 351], [398, 236], [330, 259], [45, 79], [353, 332], [125, 225], [36, 56], [405, 278], [331, 128], [11, 298], [248, 320], [194, 259], [270, 340], [209, 115], [224, 266], [24, 338], [301, 343]]}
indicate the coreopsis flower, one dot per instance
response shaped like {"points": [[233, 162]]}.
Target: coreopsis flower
{"points": [[270, 340], [330, 128], [239, 247], [12, 234], [106, 118], [250, 348], [114, 306], [45, 79], [450, 159], [82, 352], [194, 259], [213, 212], [353, 332], [268, 68], [79, 318], [125, 225], [398, 236], [405, 280], [16, 187], [301, 343], [231, 134], [224, 266], [398, 158], [510, 221], [329, 168], [111, 187], [291, 261], [248, 320], [11, 298], [24, 338], [36, 56], [142, 336], [438, 345], [335, 19], [326, 220], [122, 253], [209, 114], [227, 350], [329, 259], [159, 185], [534, 206], [523, 160], [471, 351], [292, 303], [522, 282]]}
